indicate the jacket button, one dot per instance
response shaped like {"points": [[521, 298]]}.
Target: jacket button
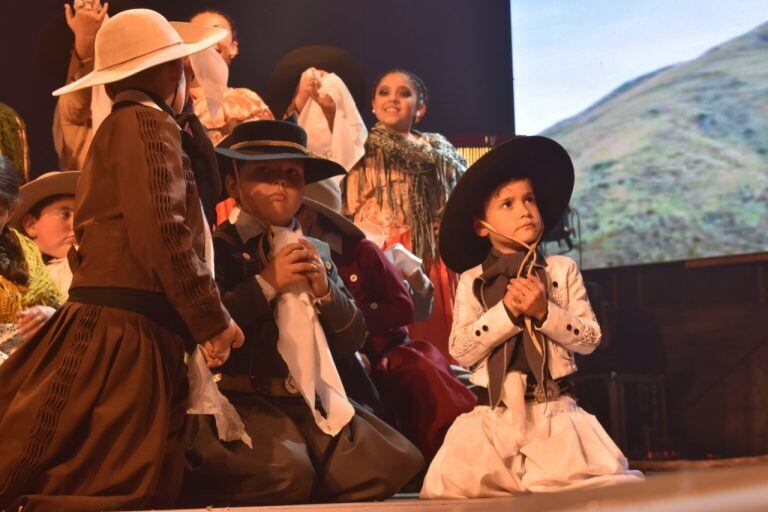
{"points": [[485, 328], [477, 333], [353, 278], [576, 332], [246, 256], [328, 265], [569, 327], [374, 306], [554, 284]]}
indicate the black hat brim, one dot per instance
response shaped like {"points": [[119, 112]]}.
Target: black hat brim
{"points": [[539, 159], [315, 168]]}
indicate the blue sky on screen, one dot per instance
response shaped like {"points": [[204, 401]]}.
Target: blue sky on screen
{"points": [[570, 53]]}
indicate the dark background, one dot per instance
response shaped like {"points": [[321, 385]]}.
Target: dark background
{"points": [[461, 49]]}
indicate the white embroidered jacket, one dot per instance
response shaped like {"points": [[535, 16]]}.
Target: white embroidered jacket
{"points": [[570, 325]]}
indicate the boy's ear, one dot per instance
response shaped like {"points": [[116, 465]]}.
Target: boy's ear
{"points": [[29, 223], [480, 230], [231, 185]]}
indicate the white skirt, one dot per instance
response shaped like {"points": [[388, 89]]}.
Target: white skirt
{"points": [[557, 446]]}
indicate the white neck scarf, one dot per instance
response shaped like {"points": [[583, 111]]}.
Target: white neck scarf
{"points": [[304, 348]]}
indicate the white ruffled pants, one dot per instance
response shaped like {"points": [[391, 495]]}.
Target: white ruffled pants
{"points": [[493, 453]]}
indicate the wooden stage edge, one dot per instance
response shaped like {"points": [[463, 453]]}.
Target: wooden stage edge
{"points": [[743, 488]]}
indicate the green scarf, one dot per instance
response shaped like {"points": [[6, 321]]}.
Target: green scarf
{"points": [[431, 170], [12, 143]]}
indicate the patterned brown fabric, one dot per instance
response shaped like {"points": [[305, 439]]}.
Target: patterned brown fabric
{"points": [[93, 408]]}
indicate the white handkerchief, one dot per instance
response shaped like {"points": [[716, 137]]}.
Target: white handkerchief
{"points": [[304, 348], [346, 144], [205, 398]]}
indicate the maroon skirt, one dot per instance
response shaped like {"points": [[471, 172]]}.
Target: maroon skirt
{"points": [[417, 385], [93, 414]]}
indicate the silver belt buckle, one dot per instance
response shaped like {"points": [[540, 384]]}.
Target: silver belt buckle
{"points": [[553, 392]]}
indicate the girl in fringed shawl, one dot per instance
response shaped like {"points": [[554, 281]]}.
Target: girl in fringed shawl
{"points": [[402, 184]]}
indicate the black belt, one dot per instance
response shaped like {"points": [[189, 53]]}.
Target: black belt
{"points": [[153, 305]]}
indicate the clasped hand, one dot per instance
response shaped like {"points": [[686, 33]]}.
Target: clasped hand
{"points": [[294, 263], [526, 296]]}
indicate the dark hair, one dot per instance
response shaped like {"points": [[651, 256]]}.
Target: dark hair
{"points": [[13, 266], [421, 89], [224, 15], [496, 189]]}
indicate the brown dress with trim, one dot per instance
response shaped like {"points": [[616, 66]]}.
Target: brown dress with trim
{"points": [[93, 408]]}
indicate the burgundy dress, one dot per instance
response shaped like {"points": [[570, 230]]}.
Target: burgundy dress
{"points": [[413, 377]]}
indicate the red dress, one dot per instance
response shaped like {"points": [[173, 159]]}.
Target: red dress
{"points": [[414, 379]]}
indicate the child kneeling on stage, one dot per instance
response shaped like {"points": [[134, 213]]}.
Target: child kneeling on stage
{"points": [[310, 443], [518, 319]]}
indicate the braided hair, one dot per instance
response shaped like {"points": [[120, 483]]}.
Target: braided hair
{"points": [[13, 266], [12, 143], [421, 88]]}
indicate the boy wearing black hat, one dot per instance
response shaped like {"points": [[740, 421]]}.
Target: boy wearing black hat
{"points": [[310, 442], [519, 318]]}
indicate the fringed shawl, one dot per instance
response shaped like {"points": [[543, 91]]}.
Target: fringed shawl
{"points": [[431, 171]]}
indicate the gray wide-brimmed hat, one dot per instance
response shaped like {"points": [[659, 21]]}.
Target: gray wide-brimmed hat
{"points": [[324, 197], [50, 184]]}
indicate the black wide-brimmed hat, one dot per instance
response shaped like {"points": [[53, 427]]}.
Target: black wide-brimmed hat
{"points": [[537, 158], [273, 140], [287, 73]]}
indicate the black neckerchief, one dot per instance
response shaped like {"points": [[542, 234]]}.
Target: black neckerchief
{"points": [[491, 286]]}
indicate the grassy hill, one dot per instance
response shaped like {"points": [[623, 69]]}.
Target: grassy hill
{"points": [[674, 164]]}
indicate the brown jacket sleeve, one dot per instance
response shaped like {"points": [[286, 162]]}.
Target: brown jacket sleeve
{"points": [[157, 196]]}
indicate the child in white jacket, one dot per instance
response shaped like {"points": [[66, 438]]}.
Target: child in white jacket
{"points": [[518, 319]]}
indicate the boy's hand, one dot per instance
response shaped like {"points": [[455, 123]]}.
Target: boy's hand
{"points": [[216, 350], [32, 319], [509, 302], [291, 264], [528, 296], [317, 277]]}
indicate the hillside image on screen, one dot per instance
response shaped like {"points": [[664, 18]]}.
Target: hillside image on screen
{"points": [[673, 164]]}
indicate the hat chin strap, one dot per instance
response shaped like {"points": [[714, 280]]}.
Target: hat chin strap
{"points": [[531, 248], [241, 203], [528, 261]]}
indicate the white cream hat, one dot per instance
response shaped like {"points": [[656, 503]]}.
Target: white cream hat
{"points": [[138, 39]]}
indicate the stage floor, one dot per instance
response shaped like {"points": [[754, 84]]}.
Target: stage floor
{"points": [[737, 489]]}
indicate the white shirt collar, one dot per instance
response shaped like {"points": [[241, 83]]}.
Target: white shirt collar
{"points": [[249, 226]]}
